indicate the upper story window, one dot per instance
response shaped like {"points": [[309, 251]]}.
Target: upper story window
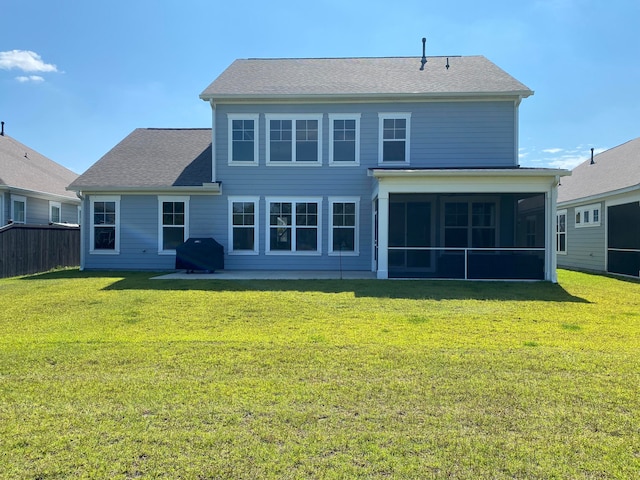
{"points": [[344, 139], [173, 225], [55, 212], [588, 216], [105, 224], [18, 209], [294, 225], [393, 145], [294, 139], [243, 215], [561, 231], [243, 139]]}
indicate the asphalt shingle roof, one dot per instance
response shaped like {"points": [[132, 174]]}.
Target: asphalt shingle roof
{"points": [[393, 76], [153, 158], [24, 168], [613, 170]]}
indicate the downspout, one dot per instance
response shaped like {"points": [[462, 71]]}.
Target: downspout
{"points": [[516, 131], [83, 228], [213, 141]]}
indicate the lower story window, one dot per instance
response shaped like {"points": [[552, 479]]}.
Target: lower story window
{"points": [[243, 214], [470, 224], [18, 209], [54, 212], [173, 223], [294, 225], [561, 231], [343, 225], [105, 222]]}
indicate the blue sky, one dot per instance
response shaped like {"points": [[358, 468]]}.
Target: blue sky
{"points": [[76, 77]]}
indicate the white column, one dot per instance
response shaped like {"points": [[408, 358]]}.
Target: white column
{"points": [[550, 242], [383, 234]]}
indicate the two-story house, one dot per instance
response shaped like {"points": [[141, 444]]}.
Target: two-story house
{"points": [[390, 165]]}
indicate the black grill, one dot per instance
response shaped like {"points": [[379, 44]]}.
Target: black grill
{"points": [[200, 254]]}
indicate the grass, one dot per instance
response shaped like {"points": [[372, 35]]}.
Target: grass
{"points": [[119, 376]]}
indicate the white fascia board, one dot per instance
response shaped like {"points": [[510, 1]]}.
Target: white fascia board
{"points": [[365, 97], [598, 196], [205, 189], [466, 181], [42, 195]]}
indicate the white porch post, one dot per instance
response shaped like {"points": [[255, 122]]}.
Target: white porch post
{"points": [[383, 234], [550, 243], [213, 141]]}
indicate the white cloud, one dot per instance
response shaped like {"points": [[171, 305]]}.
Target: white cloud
{"points": [[552, 150], [24, 60], [30, 78]]}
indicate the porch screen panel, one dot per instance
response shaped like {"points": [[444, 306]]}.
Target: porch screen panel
{"points": [[623, 250]]}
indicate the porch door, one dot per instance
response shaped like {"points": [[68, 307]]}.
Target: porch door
{"points": [[623, 249], [410, 232]]}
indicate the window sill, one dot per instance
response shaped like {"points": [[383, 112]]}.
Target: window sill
{"points": [[242, 252], [104, 252], [344, 254], [294, 254]]}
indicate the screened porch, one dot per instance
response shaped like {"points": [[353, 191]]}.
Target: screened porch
{"points": [[466, 236]]}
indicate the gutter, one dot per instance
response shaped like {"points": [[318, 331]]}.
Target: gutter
{"points": [[466, 172], [599, 196], [362, 97], [204, 189]]}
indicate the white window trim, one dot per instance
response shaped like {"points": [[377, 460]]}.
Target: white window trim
{"points": [[104, 198], [256, 128], [2, 209], [356, 251], [55, 204], [558, 213], [470, 200], [385, 116], [256, 223], [587, 208], [293, 118], [344, 116], [18, 198], [172, 198], [293, 201]]}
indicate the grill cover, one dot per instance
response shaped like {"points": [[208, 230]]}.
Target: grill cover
{"points": [[200, 254]]}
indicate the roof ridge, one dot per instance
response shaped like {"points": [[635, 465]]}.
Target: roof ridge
{"points": [[358, 58]]}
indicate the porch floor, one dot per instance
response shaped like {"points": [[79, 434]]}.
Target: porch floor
{"points": [[270, 275]]}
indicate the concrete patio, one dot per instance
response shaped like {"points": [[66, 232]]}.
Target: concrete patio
{"points": [[269, 275]]}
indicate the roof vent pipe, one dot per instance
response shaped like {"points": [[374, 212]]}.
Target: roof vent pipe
{"points": [[592, 162], [424, 58], [2, 131]]}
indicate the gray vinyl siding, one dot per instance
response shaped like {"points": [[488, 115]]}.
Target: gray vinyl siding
{"points": [[69, 213], [443, 134], [585, 246], [208, 218]]}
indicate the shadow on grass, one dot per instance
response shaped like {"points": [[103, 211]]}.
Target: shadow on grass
{"points": [[411, 289]]}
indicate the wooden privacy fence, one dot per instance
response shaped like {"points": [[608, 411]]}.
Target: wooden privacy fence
{"points": [[27, 249]]}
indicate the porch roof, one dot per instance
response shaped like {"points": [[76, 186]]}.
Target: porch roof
{"points": [[467, 172]]}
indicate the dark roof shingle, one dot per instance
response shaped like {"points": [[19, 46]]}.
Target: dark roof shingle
{"points": [[612, 170], [153, 158], [24, 168], [393, 76]]}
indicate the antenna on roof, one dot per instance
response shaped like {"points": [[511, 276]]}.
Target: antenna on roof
{"points": [[424, 58], [2, 132], [592, 162]]}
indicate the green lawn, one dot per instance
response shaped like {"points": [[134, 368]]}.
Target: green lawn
{"points": [[119, 376]]}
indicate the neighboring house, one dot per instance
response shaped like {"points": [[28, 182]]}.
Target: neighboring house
{"points": [[599, 213], [362, 164], [33, 187]]}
